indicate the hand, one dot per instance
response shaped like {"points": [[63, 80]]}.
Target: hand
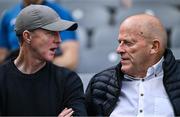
{"points": [[66, 113]]}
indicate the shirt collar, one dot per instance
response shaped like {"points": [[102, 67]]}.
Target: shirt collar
{"points": [[155, 70]]}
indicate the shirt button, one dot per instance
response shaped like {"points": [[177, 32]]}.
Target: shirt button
{"points": [[142, 80], [140, 111], [142, 94]]}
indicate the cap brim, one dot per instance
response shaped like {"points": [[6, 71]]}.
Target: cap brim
{"points": [[61, 25]]}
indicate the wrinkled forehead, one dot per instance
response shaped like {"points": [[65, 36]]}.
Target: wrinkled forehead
{"points": [[131, 30], [132, 24], [135, 28]]}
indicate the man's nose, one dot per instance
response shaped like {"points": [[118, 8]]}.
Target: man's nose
{"points": [[57, 38], [120, 49]]}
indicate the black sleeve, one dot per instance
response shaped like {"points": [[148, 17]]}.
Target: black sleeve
{"points": [[88, 100], [92, 101], [91, 109], [1, 100], [2, 91], [74, 94]]}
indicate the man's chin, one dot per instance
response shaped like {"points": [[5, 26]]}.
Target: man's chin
{"points": [[50, 58], [125, 69]]}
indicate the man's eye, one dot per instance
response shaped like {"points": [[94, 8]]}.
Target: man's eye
{"points": [[128, 43], [52, 33]]}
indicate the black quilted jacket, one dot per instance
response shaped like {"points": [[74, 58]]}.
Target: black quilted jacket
{"points": [[104, 88]]}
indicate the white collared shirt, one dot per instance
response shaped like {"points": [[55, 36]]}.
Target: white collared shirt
{"points": [[144, 97]]}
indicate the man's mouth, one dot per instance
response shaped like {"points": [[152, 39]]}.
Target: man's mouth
{"points": [[53, 49], [123, 60]]}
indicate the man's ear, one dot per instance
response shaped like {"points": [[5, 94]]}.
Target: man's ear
{"points": [[155, 46], [26, 36]]}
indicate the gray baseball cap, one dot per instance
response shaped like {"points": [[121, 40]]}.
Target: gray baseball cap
{"points": [[40, 16]]}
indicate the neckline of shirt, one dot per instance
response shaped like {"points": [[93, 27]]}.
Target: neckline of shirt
{"points": [[155, 70]]}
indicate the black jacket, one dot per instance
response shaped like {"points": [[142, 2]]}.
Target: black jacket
{"points": [[104, 88]]}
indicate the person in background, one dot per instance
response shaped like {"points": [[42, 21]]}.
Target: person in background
{"points": [[146, 82], [66, 55], [31, 85]]}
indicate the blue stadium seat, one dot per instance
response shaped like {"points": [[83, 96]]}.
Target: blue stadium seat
{"points": [[85, 77], [106, 36], [6, 4], [91, 16], [175, 37], [108, 3], [96, 59], [176, 52], [169, 15]]}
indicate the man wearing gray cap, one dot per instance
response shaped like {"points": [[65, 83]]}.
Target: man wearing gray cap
{"points": [[66, 55], [30, 84]]}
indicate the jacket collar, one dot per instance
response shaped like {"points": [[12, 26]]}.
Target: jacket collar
{"points": [[169, 66]]}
